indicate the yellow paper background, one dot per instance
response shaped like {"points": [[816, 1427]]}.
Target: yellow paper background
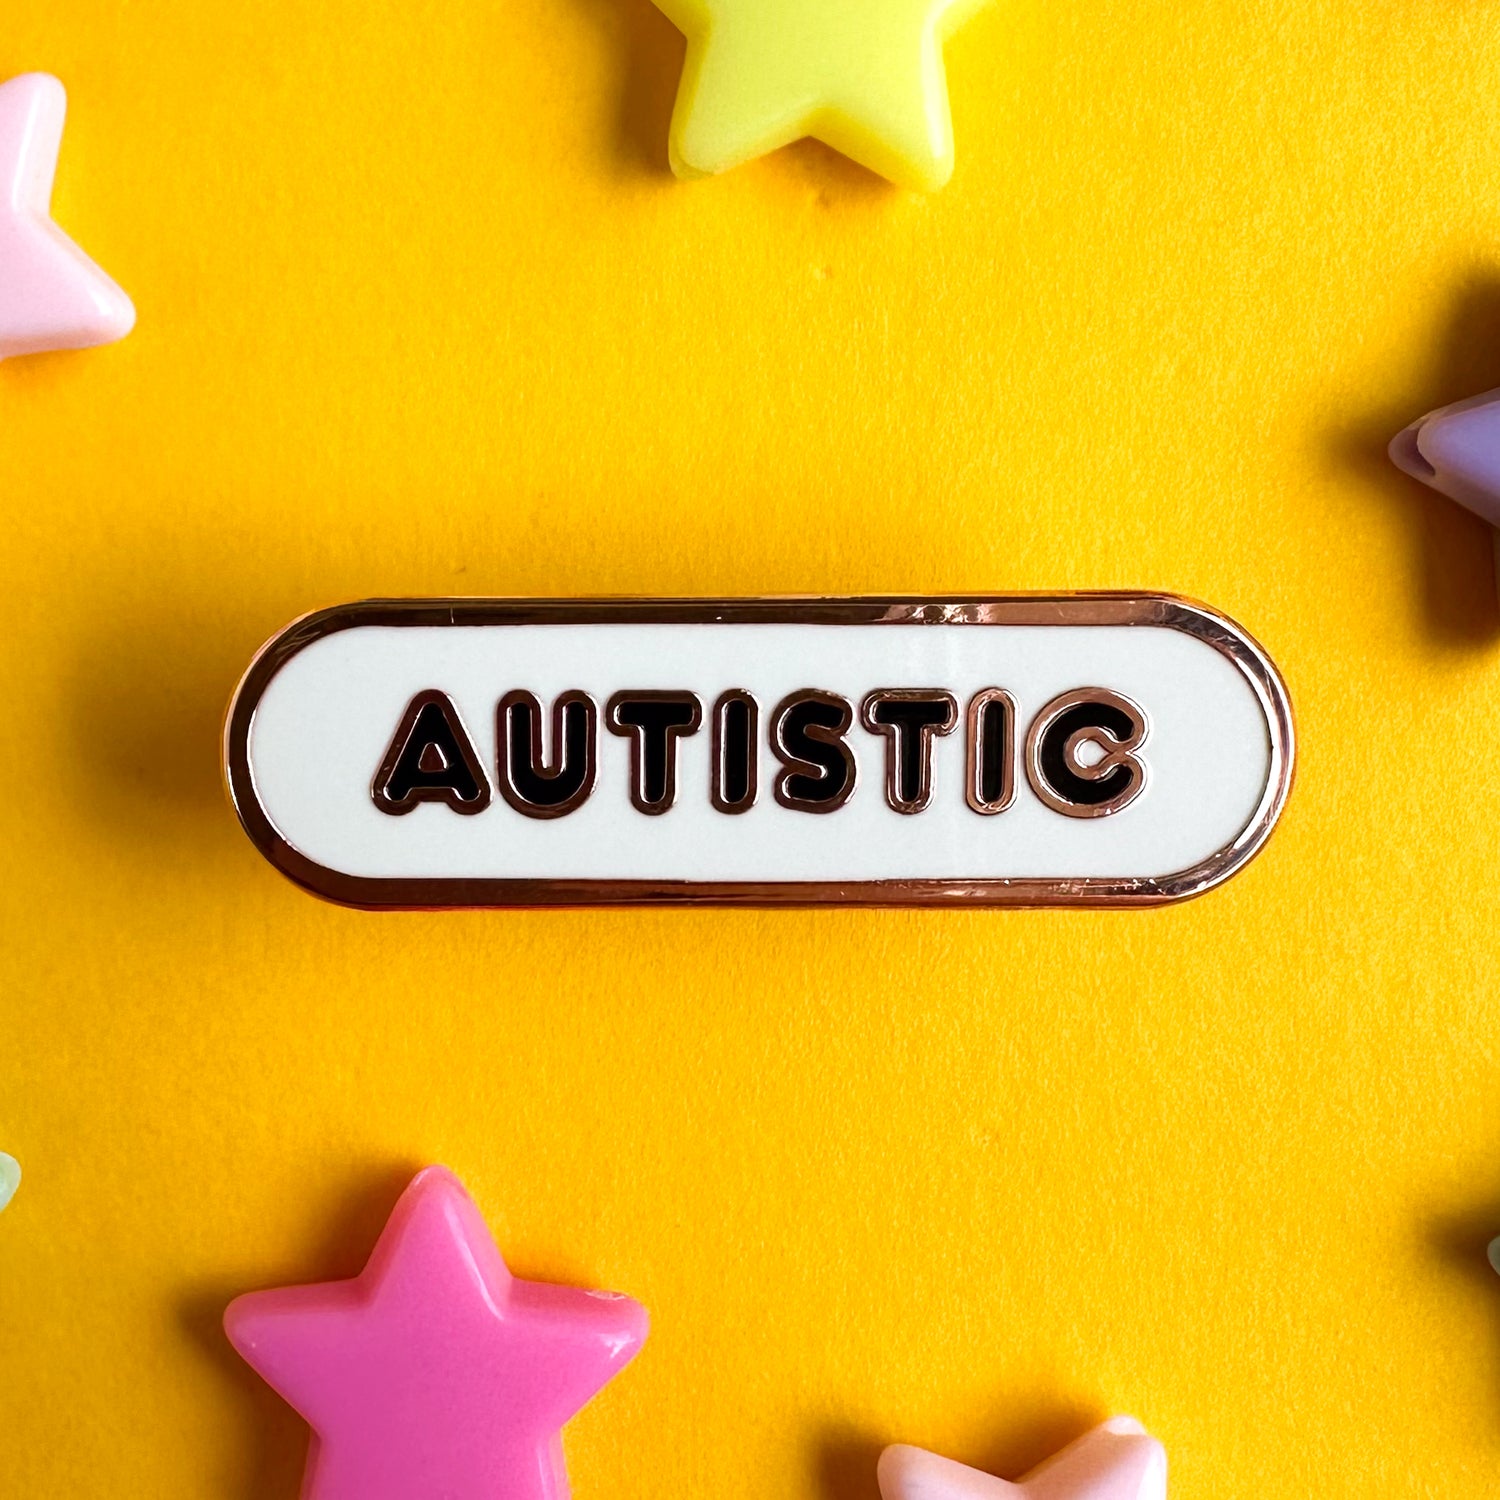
{"points": [[421, 312]]}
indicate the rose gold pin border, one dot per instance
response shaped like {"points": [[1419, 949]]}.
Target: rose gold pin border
{"points": [[1042, 610]]}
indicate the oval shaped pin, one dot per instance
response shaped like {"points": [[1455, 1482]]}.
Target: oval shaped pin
{"points": [[1080, 749]]}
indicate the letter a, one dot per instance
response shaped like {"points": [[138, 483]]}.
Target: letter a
{"points": [[430, 759]]}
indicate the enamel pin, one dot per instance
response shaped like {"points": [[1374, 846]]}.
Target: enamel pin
{"points": [[1035, 750]]}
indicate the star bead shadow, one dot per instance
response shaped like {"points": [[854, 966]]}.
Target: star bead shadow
{"points": [[25, 377], [1451, 549], [1031, 1436], [651, 52], [1461, 1242], [845, 1462], [846, 1457], [275, 1438], [831, 177]]}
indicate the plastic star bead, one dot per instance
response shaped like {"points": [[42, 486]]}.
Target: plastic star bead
{"points": [[1456, 450], [1116, 1461], [52, 296], [864, 76], [435, 1372]]}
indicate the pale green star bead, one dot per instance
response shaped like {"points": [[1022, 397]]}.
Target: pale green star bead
{"points": [[10, 1178]]}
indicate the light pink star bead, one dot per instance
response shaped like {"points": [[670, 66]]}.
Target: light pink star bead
{"points": [[52, 296], [1116, 1461], [435, 1372]]}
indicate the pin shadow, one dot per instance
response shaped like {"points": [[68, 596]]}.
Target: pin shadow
{"points": [[148, 704], [1453, 568], [152, 663]]}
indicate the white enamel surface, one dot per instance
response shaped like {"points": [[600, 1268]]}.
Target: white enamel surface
{"points": [[326, 718]]}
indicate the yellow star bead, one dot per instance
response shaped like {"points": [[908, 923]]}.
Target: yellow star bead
{"points": [[864, 76]]}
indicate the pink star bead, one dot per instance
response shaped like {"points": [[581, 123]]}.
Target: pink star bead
{"points": [[435, 1372], [52, 296], [1116, 1461]]}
